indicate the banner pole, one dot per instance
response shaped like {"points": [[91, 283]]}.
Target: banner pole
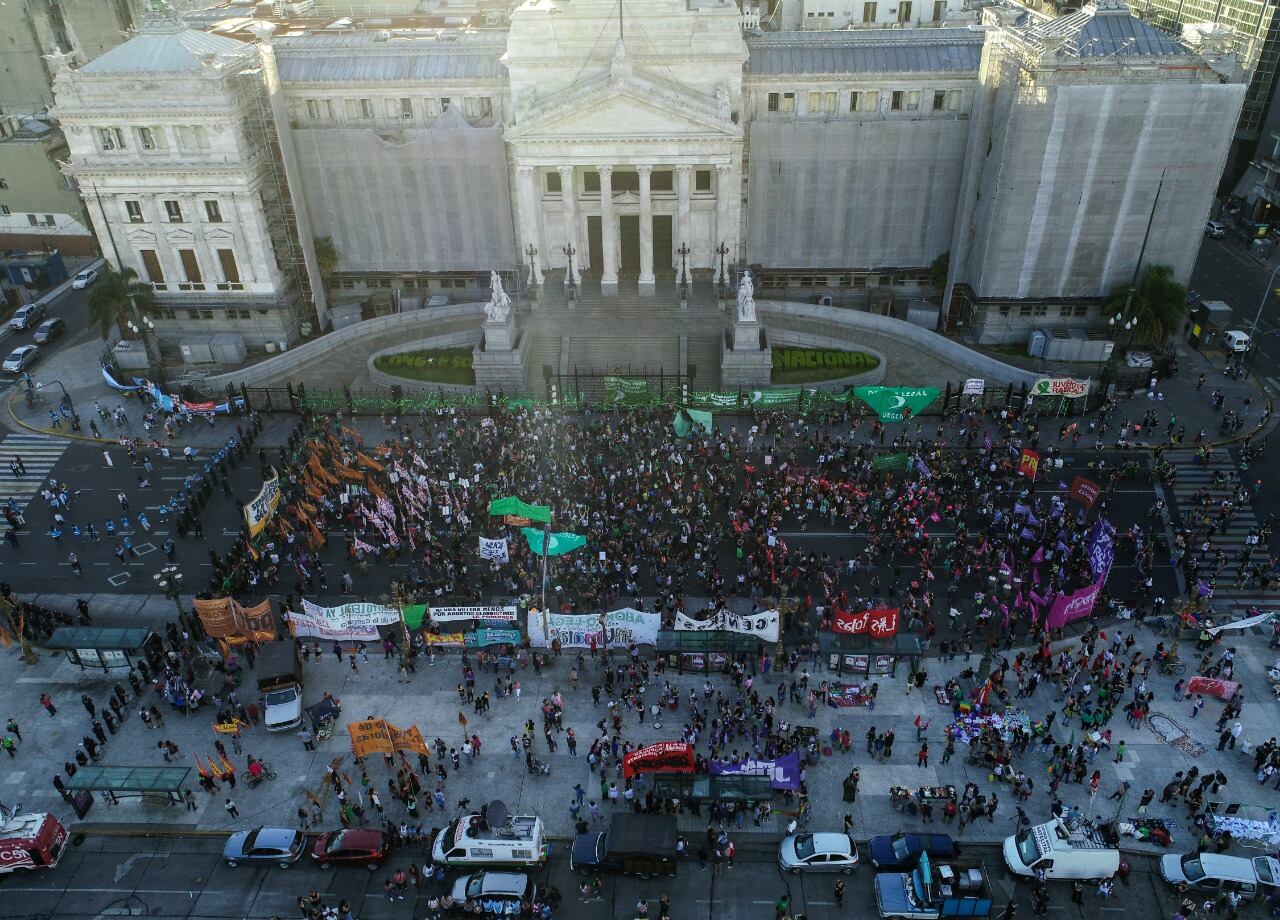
{"points": [[546, 547]]}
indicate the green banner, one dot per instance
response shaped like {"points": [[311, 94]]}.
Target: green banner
{"points": [[687, 420], [785, 396], [891, 403], [413, 615], [625, 389], [891, 462], [561, 543], [713, 400], [516, 508]]}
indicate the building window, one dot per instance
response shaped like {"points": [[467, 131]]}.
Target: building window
{"points": [[896, 100], [230, 271], [939, 10], [213, 211], [406, 107], [173, 210], [163, 312], [869, 12], [151, 265], [788, 102], [939, 100], [821, 103], [445, 102], [774, 102], [191, 269], [905, 100], [50, 220], [486, 106], [1040, 309], [1024, 310], [110, 139], [146, 139], [662, 180], [4, 183], [366, 109], [430, 108], [553, 182], [591, 182], [904, 11], [702, 180], [134, 210], [313, 108], [1082, 310], [954, 99], [866, 101]]}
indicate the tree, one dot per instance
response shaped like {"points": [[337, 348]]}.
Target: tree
{"points": [[939, 269], [326, 256], [109, 300], [1158, 306]]}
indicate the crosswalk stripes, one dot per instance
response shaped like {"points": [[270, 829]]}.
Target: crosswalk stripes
{"points": [[1228, 602], [38, 453]]}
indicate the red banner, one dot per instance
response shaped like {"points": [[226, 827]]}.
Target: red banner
{"points": [[1085, 491], [878, 622], [663, 757], [1211, 686], [1028, 463]]}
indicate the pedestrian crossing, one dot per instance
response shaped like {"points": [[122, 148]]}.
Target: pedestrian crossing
{"points": [[39, 454], [1229, 603]]}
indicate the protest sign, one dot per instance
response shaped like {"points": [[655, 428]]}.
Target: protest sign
{"points": [[762, 624], [621, 628], [1028, 463], [662, 757], [354, 622], [783, 772], [454, 614], [1085, 491], [259, 511], [878, 622], [494, 550]]}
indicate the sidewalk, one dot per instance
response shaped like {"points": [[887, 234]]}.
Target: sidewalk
{"points": [[430, 701]]}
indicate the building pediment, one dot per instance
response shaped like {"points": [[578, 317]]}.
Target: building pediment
{"points": [[138, 235], [624, 105], [218, 235], [179, 236]]}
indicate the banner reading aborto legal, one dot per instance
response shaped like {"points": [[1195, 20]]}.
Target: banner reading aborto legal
{"points": [[351, 622], [893, 404], [783, 772], [661, 757], [621, 629]]}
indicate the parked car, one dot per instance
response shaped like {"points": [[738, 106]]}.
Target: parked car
{"points": [[49, 330], [1212, 872], [356, 846], [817, 853], [85, 278], [1215, 229], [499, 893], [902, 851], [20, 359], [282, 846], [27, 316]]}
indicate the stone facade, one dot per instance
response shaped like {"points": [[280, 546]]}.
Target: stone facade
{"points": [[567, 141]]}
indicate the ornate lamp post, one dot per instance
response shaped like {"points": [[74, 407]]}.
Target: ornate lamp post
{"points": [[569, 253], [684, 273], [722, 250], [532, 252]]}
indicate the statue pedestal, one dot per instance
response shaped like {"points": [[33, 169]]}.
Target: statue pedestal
{"points": [[746, 360], [499, 359]]}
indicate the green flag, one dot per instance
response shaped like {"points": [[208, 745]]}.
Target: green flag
{"points": [[413, 615], [625, 389], [782, 396], [890, 403], [686, 420], [513, 506], [891, 462], [561, 543]]}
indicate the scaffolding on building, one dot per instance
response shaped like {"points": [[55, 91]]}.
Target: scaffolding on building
{"points": [[279, 212]]}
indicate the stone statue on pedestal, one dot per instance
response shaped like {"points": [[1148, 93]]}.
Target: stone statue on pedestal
{"points": [[499, 304], [746, 299]]}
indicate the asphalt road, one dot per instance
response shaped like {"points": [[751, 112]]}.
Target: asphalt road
{"points": [[1225, 271], [72, 307], [185, 877]]}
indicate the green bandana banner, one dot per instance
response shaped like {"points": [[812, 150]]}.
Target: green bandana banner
{"points": [[413, 615], [513, 507], [713, 400], [561, 543], [786, 396], [688, 420], [625, 389], [891, 403], [891, 462]]}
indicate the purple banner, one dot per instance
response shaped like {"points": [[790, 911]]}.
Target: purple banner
{"points": [[1073, 606], [783, 772], [1102, 549]]}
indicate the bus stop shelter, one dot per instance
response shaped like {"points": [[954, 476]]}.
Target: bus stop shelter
{"points": [[703, 650], [862, 656], [703, 788], [154, 785], [105, 648]]}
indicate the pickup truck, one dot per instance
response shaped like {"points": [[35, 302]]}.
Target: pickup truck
{"points": [[957, 888], [641, 845], [280, 682]]}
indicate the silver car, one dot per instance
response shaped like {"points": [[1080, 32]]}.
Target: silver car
{"points": [[20, 359], [817, 853]]}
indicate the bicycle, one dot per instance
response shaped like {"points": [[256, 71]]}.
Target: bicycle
{"points": [[1175, 668]]}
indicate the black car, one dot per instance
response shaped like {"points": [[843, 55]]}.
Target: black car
{"points": [[49, 330]]}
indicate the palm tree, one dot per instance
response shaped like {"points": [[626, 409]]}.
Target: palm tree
{"points": [[1158, 305], [109, 301]]}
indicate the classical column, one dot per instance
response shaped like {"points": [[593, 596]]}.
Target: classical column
{"points": [[570, 210], [646, 231], [608, 233], [531, 218], [683, 226], [723, 231]]}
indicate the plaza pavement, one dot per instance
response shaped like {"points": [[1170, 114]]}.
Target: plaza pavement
{"points": [[430, 701]]}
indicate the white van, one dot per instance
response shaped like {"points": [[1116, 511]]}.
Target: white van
{"points": [[1062, 852], [1210, 873], [1235, 341], [475, 841]]}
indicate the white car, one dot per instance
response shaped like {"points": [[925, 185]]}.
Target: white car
{"points": [[20, 359], [85, 278], [817, 853], [1215, 229]]}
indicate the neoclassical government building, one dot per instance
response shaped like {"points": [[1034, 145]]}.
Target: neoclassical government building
{"points": [[262, 173]]}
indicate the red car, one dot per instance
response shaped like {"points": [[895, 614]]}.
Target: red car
{"points": [[355, 847]]}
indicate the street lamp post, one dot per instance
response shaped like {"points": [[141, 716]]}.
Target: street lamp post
{"points": [[722, 250], [684, 272], [29, 655], [169, 581], [532, 252], [144, 328], [1266, 292], [569, 253]]}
